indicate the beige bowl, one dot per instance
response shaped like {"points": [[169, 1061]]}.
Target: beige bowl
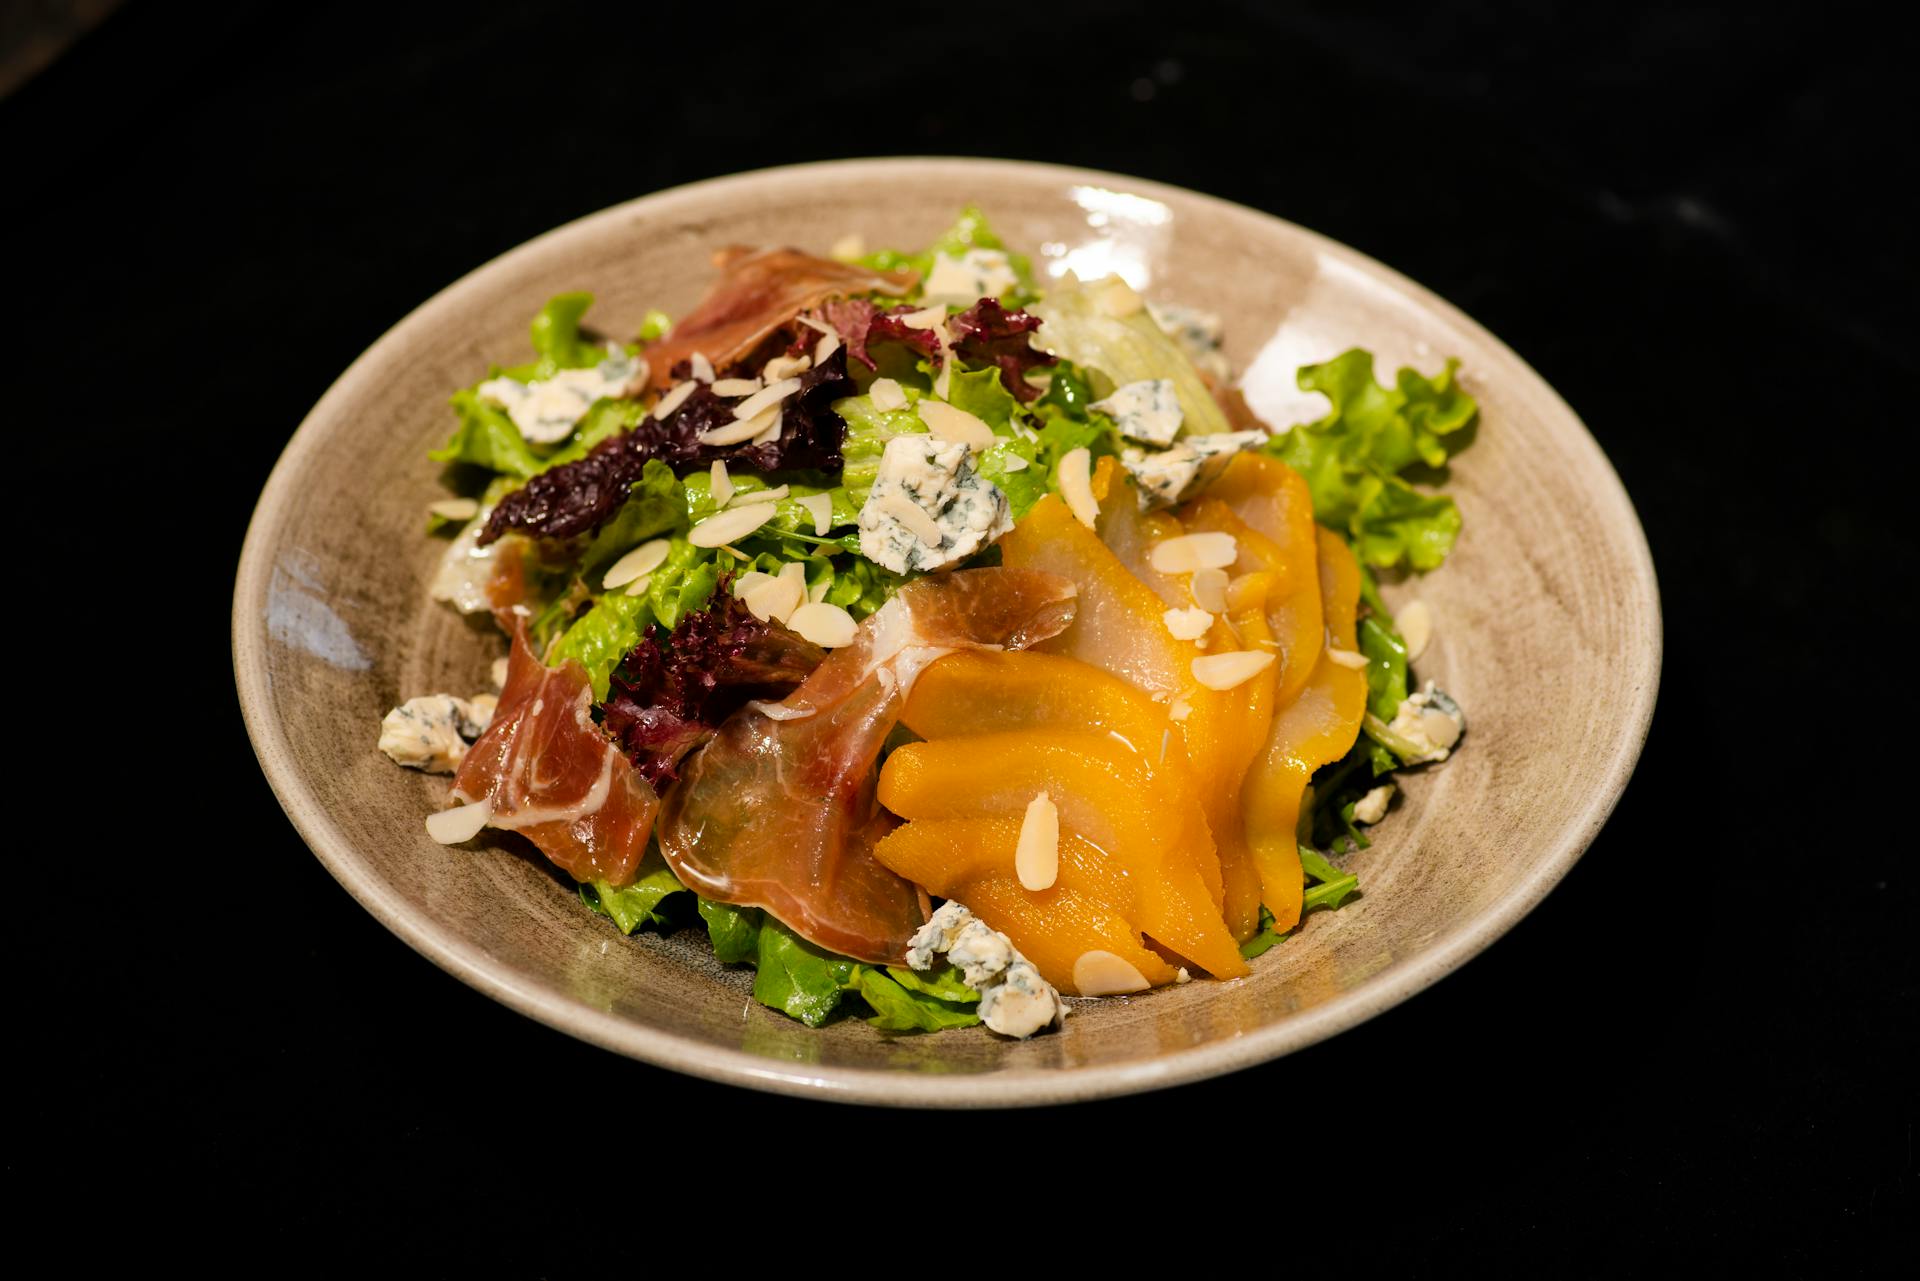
{"points": [[1547, 631]]}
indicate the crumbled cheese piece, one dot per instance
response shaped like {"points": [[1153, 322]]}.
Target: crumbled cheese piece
{"points": [[975, 274], [928, 508], [1188, 624], [1014, 999], [1168, 477], [1431, 723], [466, 568], [547, 410], [1226, 671], [431, 733], [1372, 807], [1147, 410], [1199, 334], [887, 395]]}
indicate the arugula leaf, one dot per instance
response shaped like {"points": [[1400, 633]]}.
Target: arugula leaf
{"points": [[797, 978], [1263, 938], [1335, 886], [1386, 654], [896, 1008], [632, 906], [734, 931], [1352, 458]]}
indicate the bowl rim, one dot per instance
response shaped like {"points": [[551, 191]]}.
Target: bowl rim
{"points": [[1012, 1087]]}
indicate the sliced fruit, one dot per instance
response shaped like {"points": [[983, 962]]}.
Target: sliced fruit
{"points": [[1272, 500], [1144, 828], [1055, 928], [1319, 726]]}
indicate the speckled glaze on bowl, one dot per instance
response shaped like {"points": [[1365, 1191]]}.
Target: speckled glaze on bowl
{"points": [[1547, 631]]}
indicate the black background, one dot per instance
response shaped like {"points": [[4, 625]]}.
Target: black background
{"points": [[1688, 220]]}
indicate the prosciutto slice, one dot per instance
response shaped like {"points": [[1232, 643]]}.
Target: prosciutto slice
{"points": [[759, 290], [778, 811], [545, 770]]}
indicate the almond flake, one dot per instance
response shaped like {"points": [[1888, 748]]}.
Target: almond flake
{"points": [[827, 626], [644, 559], [775, 599], [674, 399], [1225, 671], [848, 247], [1347, 658], [1416, 628], [740, 429], [773, 430], [1188, 624], [700, 367], [1036, 857], [785, 367], [455, 509], [1075, 479], [1209, 590], [1180, 710], [935, 320], [766, 399], [820, 507], [736, 386], [460, 824], [638, 587], [735, 522], [748, 581], [721, 487], [1099, 973], [887, 395], [748, 499], [948, 423], [1190, 552], [1014, 463], [827, 345], [914, 517]]}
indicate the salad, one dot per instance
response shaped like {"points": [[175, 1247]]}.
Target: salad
{"points": [[943, 641]]}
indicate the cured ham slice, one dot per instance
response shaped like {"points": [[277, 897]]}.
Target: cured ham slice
{"points": [[545, 770], [778, 811], [760, 290]]}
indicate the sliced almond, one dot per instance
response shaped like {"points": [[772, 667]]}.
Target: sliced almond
{"points": [[948, 423], [736, 386], [785, 367], [828, 344], [827, 626], [1416, 627], [935, 319], [1015, 463], [766, 398], [461, 509], [740, 429], [1036, 857], [644, 559], [1188, 624], [1347, 658], [1209, 590], [748, 581], [735, 522], [913, 516], [772, 431], [460, 824], [793, 572], [674, 399], [721, 486], [498, 673], [1180, 710], [1225, 671], [776, 598], [820, 507], [850, 246], [1098, 973], [887, 394], [1075, 479], [753, 496], [925, 318], [1191, 552], [820, 589], [700, 367]]}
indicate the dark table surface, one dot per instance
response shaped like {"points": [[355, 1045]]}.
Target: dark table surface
{"points": [[1698, 1047]]}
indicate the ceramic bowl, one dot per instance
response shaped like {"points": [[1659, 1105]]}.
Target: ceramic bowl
{"points": [[1547, 631]]}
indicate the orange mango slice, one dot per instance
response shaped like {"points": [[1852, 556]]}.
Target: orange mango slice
{"points": [[1319, 726], [1145, 830]]}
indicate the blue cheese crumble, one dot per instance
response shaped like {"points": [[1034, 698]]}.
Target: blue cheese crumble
{"points": [[975, 274], [1198, 333], [1147, 410], [1014, 999], [1372, 807], [1167, 477], [928, 508], [547, 410], [1430, 723], [431, 733]]}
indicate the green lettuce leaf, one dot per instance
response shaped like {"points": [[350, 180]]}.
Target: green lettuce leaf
{"points": [[898, 1008], [1386, 655], [734, 931], [797, 978], [1353, 457], [944, 983], [969, 231], [632, 906], [486, 437], [615, 622]]}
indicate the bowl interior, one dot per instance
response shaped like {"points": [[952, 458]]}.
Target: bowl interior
{"points": [[1547, 631]]}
